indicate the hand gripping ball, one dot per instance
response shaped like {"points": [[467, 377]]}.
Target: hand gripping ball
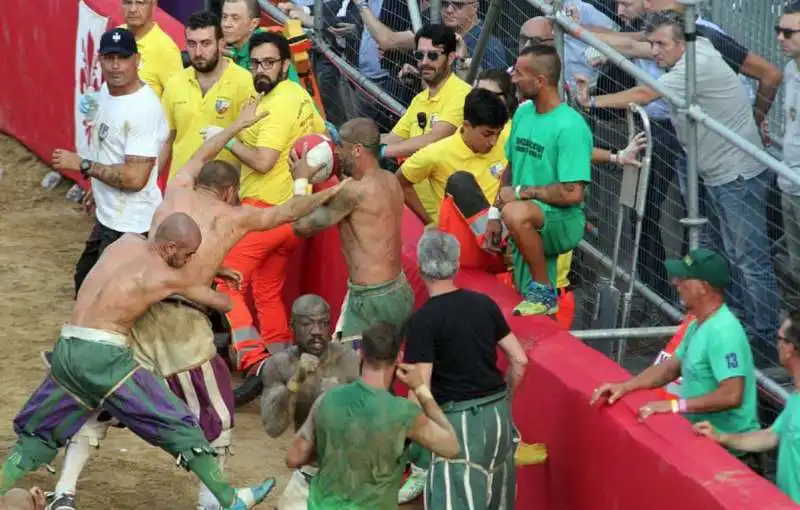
{"points": [[321, 151]]}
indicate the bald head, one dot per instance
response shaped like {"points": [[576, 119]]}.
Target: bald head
{"points": [[310, 304], [538, 30], [179, 228], [362, 131]]}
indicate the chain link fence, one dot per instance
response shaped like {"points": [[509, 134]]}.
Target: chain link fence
{"points": [[342, 70]]}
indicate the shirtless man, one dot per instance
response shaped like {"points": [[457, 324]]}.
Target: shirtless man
{"points": [[294, 378], [93, 367], [369, 212], [174, 337], [20, 499]]}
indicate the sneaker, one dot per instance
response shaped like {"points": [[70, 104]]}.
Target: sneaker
{"points": [[250, 497], [538, 299], [415, 484], [65, 502]]}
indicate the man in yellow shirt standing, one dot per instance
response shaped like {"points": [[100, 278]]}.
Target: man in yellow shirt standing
{"points": [[161, 57], [472, 149], [266, 181], [209, 93]]}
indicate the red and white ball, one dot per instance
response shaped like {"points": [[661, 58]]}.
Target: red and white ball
{"points": [[321, 151]]}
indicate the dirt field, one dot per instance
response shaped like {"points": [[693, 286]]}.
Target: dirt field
{"points": [[41, 236]]}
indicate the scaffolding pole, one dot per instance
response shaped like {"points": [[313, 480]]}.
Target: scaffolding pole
{"points": [[486, 32], [693, 222], [610, 334]]}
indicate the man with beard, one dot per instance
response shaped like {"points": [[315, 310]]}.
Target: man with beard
{"points": [[128, 132], [369, 212], [293, 379], [174, 337], [210, 92], [266, 181], [549, 155], [435, 113], [161, 58]]}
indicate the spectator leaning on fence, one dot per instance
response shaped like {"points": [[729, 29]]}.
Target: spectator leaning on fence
{"points": [[736, 184], [714, 359], [128, 132], [453, 340], [782, 434], [210, 92], [788, 33], [263, 149], [160, 56]]}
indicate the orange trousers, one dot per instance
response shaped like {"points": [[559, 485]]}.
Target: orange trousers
{"points": [[262, 258]]}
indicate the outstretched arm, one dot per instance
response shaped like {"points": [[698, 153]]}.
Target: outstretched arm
{"points": [[206, 296], [340, 207], [255, 218]]}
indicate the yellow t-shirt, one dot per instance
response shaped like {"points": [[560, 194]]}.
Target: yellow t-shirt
{"points": [[438, 161], [563, 263], [292, 114], [161, 58], [446, 106], [188, 110]]}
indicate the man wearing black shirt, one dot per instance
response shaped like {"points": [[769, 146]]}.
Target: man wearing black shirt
{"points": [[453, 339]]}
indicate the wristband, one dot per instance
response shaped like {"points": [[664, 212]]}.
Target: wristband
{"points": [[382, 151], [615, 158], [683, 405], [517, 195], [423, 393], [300, 187], [593, 102], [673, 404], [230, 143], [494, 213]]}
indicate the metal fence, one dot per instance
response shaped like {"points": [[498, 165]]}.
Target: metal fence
{"points": [[347, 92]]}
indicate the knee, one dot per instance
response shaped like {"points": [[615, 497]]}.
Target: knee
{"points": [[516, 214]]}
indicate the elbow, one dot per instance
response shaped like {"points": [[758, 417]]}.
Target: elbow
{"points": [[273, 430], [136, 184], [772, 78], [734, 399]]}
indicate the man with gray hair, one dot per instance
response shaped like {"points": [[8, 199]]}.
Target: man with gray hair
{"points": [[453, 340]]}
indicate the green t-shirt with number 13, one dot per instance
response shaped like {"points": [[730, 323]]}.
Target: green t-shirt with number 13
{"points": [[710, 353]]}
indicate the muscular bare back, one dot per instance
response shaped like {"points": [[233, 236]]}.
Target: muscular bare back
{"points": [[128, 278]]}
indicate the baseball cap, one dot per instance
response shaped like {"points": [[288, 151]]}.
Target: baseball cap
{"points": [[701, 264], [118, 41]]}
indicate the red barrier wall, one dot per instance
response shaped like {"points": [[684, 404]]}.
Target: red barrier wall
{"points": [[599, 458]]}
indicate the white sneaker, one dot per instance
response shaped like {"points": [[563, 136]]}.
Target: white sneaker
{"points": [[415, 484]]}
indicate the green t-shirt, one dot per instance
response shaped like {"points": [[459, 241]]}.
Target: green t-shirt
{"points": [[361, 436], [787, 427], [241, 57], [710, 353], [545, 149]]}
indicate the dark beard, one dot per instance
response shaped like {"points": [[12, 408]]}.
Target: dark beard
{"points": [[208, 66], [265, 85]]}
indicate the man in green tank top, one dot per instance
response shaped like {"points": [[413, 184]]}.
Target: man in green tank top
{"points": [[359, 432]]}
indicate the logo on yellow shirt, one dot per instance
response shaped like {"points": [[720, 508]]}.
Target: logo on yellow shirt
{"points": [[434, 119], [496, 169], [222, 105]]}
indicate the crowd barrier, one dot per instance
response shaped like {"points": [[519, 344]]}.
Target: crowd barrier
{"points": [[599, 458]]}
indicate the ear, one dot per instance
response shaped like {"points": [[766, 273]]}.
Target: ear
{"points": [[285, 67], [254, 22], [138, 60], [451, 58]]}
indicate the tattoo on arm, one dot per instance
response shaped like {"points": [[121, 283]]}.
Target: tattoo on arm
{"points": [[131, 175], [326, 216], [559, 194]]}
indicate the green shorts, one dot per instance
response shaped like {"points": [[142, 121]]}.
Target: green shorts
{"points": [[563, 229], [367, 305]]}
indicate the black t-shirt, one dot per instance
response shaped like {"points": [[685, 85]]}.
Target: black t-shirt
{"points": [[458, 332]]}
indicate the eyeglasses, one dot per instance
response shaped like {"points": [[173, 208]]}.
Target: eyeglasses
{"points": [[267, 63], [457, 6], [431, 54], [787, 33]]}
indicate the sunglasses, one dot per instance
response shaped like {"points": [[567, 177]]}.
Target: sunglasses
{"points": [[431, 54], [787, 33], [533, 41], [455, 5]]}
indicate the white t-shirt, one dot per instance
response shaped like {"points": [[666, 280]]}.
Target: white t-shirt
{"points": [[720, 94], [130, 125], [791, 134]]}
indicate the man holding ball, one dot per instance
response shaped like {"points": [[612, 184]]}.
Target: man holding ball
{"points": [[369, 212]]}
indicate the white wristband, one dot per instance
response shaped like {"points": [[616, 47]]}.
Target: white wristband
{"points": [[300, 187], [615, 158], [494, 213]]}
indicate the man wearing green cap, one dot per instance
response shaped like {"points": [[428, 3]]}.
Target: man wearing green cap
{"points": [[714, 359]]}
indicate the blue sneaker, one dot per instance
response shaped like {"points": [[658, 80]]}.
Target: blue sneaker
{"points": [[538, 299], [250, 497]]}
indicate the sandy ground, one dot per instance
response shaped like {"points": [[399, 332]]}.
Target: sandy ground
{"points": [[41, 236]]}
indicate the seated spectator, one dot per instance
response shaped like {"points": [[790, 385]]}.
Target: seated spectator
{"points": [[473, 149], [459, 15], [549, 165], [781, 434], [715, 360], [736, 184]]}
